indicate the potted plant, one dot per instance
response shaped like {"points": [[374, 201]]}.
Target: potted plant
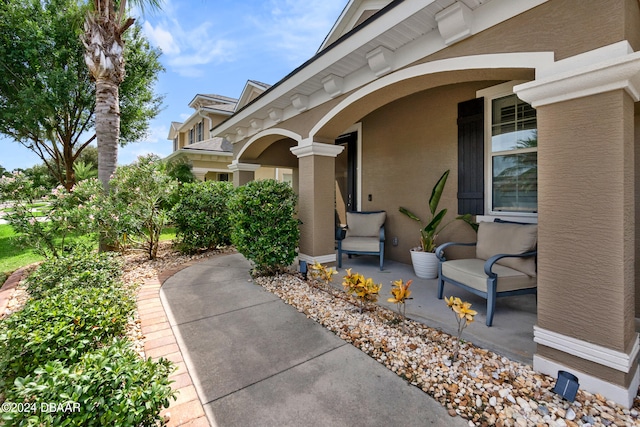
{"points": [[423, 257]]}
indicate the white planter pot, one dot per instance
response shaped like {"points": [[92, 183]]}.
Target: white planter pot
{"points": [[425, 264]]}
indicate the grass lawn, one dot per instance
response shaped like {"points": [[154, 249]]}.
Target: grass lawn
{"points": [[12, 256], [169, 233]]}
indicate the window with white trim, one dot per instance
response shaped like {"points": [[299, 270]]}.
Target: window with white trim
{"points": [[511, 152]]}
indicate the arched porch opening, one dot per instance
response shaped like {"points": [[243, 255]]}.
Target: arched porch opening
{"points": [[267, 155]]}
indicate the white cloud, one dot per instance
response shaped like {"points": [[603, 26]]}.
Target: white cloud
{"points": [[161, 38], [213, 52], [296, 28], [157, 133], [187, 51]]}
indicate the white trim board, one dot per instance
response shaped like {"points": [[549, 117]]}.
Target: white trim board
{"points": [[619, 394], [322, 259], [593, 352]]}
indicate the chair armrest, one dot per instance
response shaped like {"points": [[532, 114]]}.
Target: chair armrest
{"points": [[382, 233], [341, 233], [488, 265], [440, 249]]}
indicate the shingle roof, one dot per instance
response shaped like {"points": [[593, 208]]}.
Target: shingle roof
{"points": [[213, 144]]}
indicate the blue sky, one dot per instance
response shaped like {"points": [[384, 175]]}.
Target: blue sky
{"points": [[215, 46]]}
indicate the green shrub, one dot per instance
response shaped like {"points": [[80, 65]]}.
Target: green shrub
{"points": [[68, 213], [201, 217], [137, 206], [62, 325], [82, 268], [264, 225], [111, 386]]}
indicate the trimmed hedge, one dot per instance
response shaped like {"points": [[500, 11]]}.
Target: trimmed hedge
{"points": [[201, 217], [264, 224], [79, 269], [111, 386], [62, 325]]}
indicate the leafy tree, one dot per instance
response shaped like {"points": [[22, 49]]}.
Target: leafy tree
{"points": [[41, 176], [181, 170], [105, 24], [47, 97], [3, 171], [69, 213]]}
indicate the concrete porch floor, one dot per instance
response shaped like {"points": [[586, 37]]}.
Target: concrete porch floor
{"points": [[511, 334]]}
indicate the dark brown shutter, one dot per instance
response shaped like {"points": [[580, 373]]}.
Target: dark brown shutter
{"points": [[471, 157]]}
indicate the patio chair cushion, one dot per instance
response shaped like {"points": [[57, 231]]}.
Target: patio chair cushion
{"points": [[471, 273], [361, 244], [365, 224], [503, 238]]}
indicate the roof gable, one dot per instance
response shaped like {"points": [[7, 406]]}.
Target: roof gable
{"points": [[354, 14], [251, 91], [207, 100], [174, 129]]}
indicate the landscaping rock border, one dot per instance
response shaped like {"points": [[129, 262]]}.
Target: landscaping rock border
{"points": [[480, 385]]}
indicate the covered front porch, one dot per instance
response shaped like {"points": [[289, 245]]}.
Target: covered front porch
{"points": [[511, 334], [536, 129]]}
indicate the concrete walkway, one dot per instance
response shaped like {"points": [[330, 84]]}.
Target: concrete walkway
{"points": [[256, 361]]}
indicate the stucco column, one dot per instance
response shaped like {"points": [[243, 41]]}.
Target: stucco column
{"points": [[586, 220], [242, 172], [316, 189], [199, 173]]}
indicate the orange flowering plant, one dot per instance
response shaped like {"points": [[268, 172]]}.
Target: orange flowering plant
{"points": [[401, 293], [365, 289], [321, 272], [464, 317]]}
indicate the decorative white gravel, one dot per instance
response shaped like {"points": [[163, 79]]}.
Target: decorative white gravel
{"points": [[481, 386]]}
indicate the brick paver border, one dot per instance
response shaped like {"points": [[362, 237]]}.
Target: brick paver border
{"points": [[159, 341], [8, 287]]}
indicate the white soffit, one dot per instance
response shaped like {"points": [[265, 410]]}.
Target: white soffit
{"points": [[350, 17], [409, 31]]}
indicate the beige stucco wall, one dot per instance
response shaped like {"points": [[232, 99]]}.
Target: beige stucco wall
{"points": [[211, 164], [406, 146], [279, 154], [637, 203], [214, 176]]}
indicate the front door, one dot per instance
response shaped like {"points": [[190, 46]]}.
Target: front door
{"points": [[346, 177]]}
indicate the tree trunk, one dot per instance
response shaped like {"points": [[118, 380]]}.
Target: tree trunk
{"points": [[107, 128]]}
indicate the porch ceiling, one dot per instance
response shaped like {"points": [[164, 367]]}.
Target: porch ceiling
{"points": [[405, 31]]}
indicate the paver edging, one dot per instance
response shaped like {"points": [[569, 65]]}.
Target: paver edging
{"points": [[9, 286], [180, 412]]}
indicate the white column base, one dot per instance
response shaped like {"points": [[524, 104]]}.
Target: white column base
{"points": [[623, 396]]}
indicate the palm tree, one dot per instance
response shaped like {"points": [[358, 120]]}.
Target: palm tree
{"points": [[105, 23]]}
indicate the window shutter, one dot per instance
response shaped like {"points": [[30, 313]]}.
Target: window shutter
{"points": [[471, 157]]}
